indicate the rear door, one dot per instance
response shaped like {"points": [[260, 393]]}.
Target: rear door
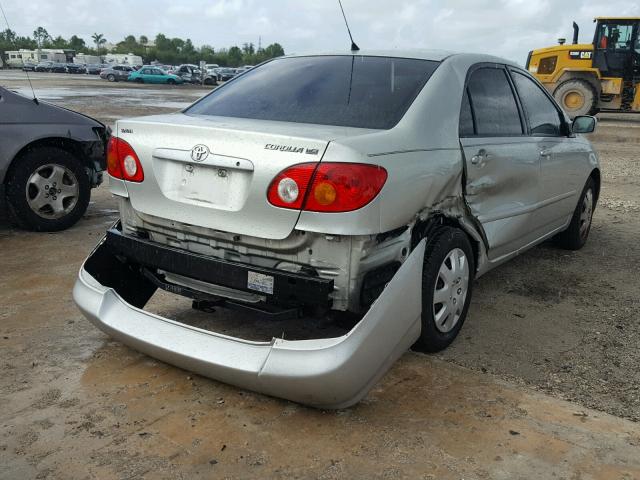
{"points": [[502, 163], [562, 159]]}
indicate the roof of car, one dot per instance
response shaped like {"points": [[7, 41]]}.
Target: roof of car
{"points": [[418, 54]]}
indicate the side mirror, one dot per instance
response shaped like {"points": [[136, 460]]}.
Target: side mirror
{"points": [[584, 124]]}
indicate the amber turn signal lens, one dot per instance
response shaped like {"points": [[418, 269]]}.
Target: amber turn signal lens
{"points": [[325, 193]]}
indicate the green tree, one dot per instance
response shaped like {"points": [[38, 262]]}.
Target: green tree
{"points": [[76, 43], [58, 42], [234, 56], [41, 36], [130, 45], [143, 40], [274, 50], [99, 40]]}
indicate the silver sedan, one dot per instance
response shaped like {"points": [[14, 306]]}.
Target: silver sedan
{"points": [[379, 183]]}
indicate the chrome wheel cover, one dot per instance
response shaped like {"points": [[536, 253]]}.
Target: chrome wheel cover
{"points": [[52, 191], [450, 290], [586, 213]]}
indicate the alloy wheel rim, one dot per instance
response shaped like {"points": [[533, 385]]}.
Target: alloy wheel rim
{"points": [[450, 290], [52, 191], [586, 213]]}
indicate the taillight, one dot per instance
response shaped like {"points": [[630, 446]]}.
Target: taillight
{"points": [[122, 161], [335, 187], [289, 187]]}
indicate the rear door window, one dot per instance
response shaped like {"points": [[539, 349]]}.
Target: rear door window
{"points": [[544, 118], [493, 104]]}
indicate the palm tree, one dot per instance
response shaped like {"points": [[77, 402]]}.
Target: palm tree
{"points": [[98, 39]]}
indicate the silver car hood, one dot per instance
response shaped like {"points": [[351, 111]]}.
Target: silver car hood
{"points": [[226, 189]]}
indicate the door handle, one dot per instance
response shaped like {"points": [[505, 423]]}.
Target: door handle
{"points": [[480, 158]]}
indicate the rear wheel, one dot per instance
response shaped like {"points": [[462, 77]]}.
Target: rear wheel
{"points": [[574, 237], [447, 282], [576, 97], [47, 190]]}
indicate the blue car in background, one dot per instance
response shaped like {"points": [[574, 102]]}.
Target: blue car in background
{"points": [[154, 75]]}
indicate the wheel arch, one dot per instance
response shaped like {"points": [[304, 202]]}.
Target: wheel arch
{"points": [[426, 228], [70, 145]]}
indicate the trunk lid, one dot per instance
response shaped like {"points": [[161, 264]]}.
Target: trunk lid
{"points": [[214, 172]]}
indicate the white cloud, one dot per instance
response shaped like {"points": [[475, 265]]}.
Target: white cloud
{"points": [[224, 8]]}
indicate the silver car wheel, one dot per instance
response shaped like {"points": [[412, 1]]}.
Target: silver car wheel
{"points": [[586, 213], [450, 291], [52, 191]]}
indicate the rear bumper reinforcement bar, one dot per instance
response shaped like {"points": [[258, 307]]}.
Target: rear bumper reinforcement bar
{"points": [[284, 288], [326, 373]]}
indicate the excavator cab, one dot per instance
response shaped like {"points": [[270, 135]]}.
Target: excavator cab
{"points": [[617, 47], [600, 76]]}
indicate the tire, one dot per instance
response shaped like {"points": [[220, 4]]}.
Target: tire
{"points": [[576, 235], [171, 81], [33, 173], [139, 80], [576, 97], [442, 321], [111, 77]]}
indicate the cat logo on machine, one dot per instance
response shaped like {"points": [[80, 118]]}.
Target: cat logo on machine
{"points": [[580, 55]]}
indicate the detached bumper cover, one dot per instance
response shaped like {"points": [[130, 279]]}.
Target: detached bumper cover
{"points": [[325, 373]]}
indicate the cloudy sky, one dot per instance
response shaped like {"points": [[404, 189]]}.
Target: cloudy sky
{"points": [[508, 28]]}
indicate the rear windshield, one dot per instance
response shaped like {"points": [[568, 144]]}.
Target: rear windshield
{"points": [[350, 91]]}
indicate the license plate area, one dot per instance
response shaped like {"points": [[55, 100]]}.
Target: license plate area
{"points": [[202, 184]]}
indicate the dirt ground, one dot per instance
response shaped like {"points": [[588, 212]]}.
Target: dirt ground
{"points": [[547, 327]]}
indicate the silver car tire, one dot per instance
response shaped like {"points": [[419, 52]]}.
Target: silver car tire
{"points": [[447, 284], [111, 77], [577, 233], [48, 190]]}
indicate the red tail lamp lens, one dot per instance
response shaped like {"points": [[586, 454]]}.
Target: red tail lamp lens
{"points": [[122, 161], [336, 187], [289, 187]]}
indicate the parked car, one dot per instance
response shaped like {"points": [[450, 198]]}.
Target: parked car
{"points": [[193, 74], [154, 75], [382, 187], [58, 68], [226, 74], [43, 67], [50, 159], [76, 68], [96, 68], [28, 66], [116, 73], [212, 69], [244, 68]]}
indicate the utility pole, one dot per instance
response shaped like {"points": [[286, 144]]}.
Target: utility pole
{"points": [[259, 42]]}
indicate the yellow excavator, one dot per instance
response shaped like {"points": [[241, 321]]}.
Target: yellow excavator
{"points": [[586, 78]]}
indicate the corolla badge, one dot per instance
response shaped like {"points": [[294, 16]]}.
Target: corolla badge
{"points": [[199, 153]]}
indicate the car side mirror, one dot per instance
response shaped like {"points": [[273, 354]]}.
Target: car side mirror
{"points": [[584, 124]]}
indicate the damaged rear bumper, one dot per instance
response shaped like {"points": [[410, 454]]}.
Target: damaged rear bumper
{"points": [[325, 373]]}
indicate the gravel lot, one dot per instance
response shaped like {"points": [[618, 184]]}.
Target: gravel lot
{"points": [[566, 324]]}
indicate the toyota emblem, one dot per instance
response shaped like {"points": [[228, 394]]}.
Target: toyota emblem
{"points": [[199, 153]]}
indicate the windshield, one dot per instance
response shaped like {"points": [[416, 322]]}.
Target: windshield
{"points": [[351, 91]]}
